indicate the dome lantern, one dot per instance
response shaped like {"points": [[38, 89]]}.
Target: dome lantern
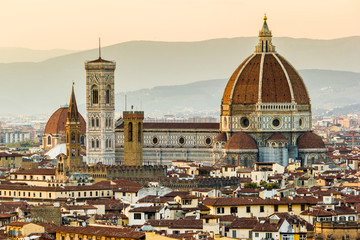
{"points": [[265, 37]]}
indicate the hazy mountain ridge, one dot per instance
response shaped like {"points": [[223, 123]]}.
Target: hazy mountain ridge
{"points": [[325, 89], [32, 88]]}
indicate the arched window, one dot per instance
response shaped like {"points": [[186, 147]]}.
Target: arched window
{"points": [[73, 137], [97, 143], [97, 122], [82, 140], [95, 95], [49, 140], [139, 132], [92, 122], [106, 143], [266, 46], [107, 95], [92, 143], [130, 133]]}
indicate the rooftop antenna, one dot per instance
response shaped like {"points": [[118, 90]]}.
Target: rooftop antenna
{"points": [[99, 49]]}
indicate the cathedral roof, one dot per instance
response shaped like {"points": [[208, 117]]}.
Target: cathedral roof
{"points": [[265, 77], [277, 137], [310, 140], [56, 123], [221, 137], [241, 140]]}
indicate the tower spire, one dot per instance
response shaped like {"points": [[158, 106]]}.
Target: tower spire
{"points": [[73, 113], [265, 38], [99, 49]]}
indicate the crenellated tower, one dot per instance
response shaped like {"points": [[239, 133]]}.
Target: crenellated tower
{"points": [[133, 138], [100, 107]]}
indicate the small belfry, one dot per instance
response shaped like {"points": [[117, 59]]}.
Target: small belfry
{"points": [[265, 37], [72, 126]]}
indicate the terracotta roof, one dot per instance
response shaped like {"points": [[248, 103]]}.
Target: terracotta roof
{"points": [[241, 140], [244, 84], [221, 137], [277, 137], [110, 204], [178, 224], [56, 123], [181, 125], [146, 209], [244, 223], [36, 171], [310, 140], [18, 224], [103, 231]]}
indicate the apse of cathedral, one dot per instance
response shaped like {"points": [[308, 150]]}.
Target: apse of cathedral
{"points": [[265, 116]]}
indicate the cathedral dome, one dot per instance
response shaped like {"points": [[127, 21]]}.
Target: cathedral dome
{"points": [[310, 140], [241, 140], [265, 77], [56, 123]]}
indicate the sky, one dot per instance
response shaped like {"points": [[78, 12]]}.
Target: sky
{"points": [[77, 24]]}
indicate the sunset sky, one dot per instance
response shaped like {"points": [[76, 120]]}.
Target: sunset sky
{"points": [[77, 24]]}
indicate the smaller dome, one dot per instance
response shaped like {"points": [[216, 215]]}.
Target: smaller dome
{"points": [[56, 123], [221, 137], [277, 137], [241, 140], [310, 140]]}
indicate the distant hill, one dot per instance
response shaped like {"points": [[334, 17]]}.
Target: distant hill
{"points": [[12, 54], [32, 88], [328, 89]]}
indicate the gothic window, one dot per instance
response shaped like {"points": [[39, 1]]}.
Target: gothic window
{"points": [[95, 95], [106, 143], [107, 95], [139, 133], [92, 143], [97, 122], [72, 137], [49, 140], [92, 122], [97, 143], [130, 133]]}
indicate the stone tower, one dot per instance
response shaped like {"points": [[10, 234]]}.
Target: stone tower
{"points": [[133, 138], [100, 106], [73, 132]]}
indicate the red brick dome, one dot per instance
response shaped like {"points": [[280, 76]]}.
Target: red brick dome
{"points": [[56, 123], [268, 77], [241, 140], [264, 77], [310, 140]]}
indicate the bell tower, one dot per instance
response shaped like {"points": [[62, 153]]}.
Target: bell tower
{"points": [[100, 107], [133, 138], [72, 126]]}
